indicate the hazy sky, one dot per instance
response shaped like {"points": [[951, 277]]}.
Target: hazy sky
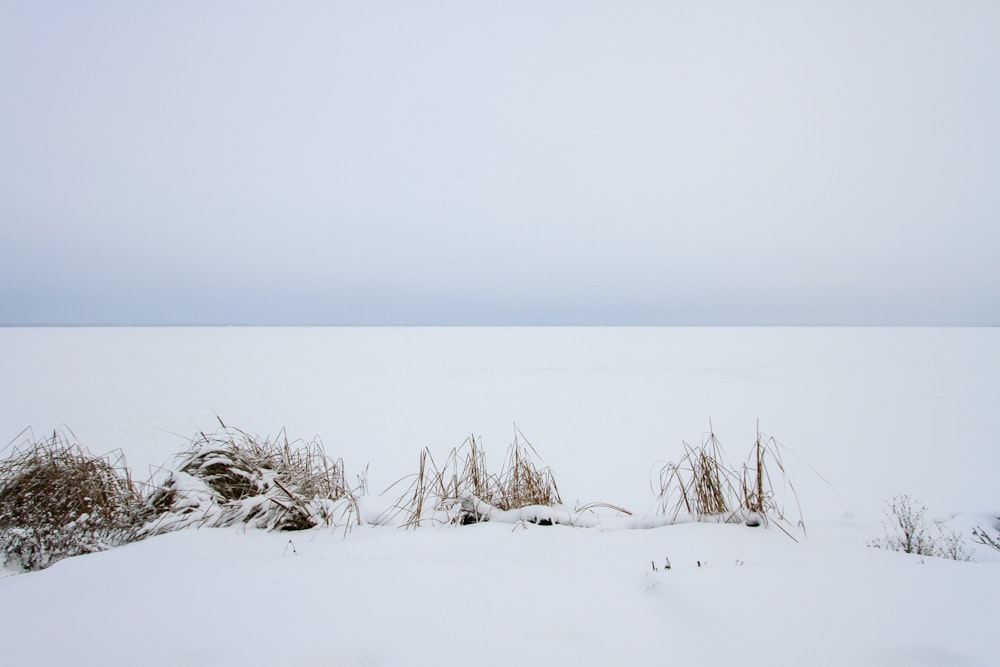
{"points": [[542, 162]]}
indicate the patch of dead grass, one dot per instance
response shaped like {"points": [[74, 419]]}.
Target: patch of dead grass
{"points": [[59, 500]]}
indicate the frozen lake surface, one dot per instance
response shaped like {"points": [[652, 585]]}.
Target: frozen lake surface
{"points": [[875, 411]]}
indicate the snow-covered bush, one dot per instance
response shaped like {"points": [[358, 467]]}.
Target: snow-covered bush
{"points": [[908, 530], [232, 477], [57, 500]]}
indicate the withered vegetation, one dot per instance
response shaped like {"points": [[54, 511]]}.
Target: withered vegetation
{"points": [[703, 486], [232, 477], [59, 500], [464, 490]]}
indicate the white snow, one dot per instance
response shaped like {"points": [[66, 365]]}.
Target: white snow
{"points": [[864, 414]]}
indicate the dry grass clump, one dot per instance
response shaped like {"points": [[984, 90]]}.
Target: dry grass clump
{"points": [[765, 487], [231, 477], [57, 500], [464, 491], [703, 486], [700, 483], [522, 482]]}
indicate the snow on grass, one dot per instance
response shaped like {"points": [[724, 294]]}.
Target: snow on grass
{"points": [[864, 414]]}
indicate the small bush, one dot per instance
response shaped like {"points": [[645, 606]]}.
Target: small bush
{"points": [[57, 500], [231, 477], [981, 536], [909, 531]]}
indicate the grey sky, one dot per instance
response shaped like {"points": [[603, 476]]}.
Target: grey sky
{"points": [[548, 162]]}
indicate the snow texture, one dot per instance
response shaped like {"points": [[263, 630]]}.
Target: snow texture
{"points": [[863, 415]]}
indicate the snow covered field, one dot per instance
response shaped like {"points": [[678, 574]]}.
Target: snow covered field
{"points": [[864, 414]]}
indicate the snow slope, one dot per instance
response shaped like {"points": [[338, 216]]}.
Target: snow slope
{"points": [[875, 411], [488, 595]]}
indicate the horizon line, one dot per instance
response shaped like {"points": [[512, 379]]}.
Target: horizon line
{"points": [[504, 325]]}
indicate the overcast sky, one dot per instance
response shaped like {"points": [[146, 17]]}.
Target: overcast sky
{"points": [[542, 162]]}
